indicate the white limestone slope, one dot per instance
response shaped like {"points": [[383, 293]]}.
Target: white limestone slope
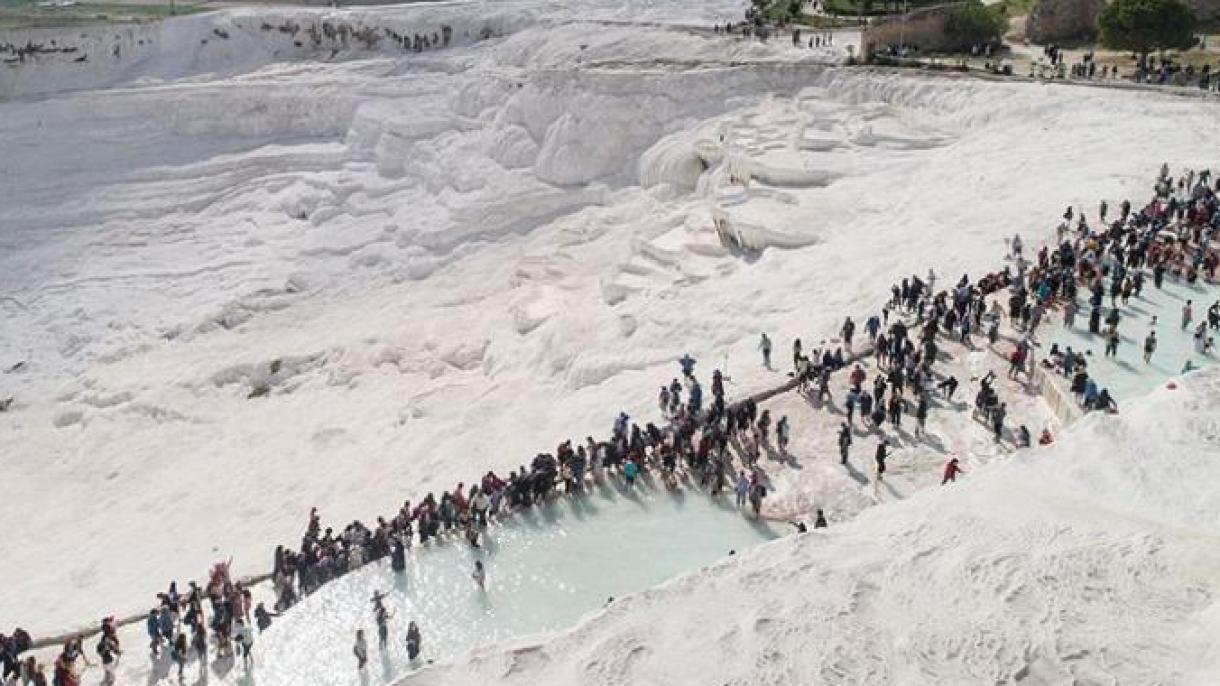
{"points": [[434, 264], [1091, 561]]}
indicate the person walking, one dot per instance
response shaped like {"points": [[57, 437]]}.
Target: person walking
{"points": [[1112, 339], [921, 415], [844, 442], [765, 346], [880, 458], [997, 420]]}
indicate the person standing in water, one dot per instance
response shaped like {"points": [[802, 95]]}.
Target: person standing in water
{"points": [[742, 488], [765, 346], [361, 650], [382, 616], [413, 642], [758, 491], [245, 642], [479, 575], [630, 471]]}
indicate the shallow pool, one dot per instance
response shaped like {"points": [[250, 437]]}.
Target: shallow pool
{"points": [[545, 570], [1127, 376]]}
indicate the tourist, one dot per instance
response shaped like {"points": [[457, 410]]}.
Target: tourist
{"points": [[948, 386], [245, 642], [820, 521], [262, 618], [1149, 347], [997, 420], [479, 575], [109, 651], [152, 625], [361, 650], [179, 653], [1112, 340], [844, 442], [758, 491], [413, 642], [880, 458], [630, 471], [199, 643], [382, 616], [952, 469]]}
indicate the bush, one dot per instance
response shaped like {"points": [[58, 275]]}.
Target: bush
{"points": [[974, 24], [781, 10], [1145, 25]]}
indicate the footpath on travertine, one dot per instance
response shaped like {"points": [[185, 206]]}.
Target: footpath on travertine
{"points": [[797, 491], [251, 581]]}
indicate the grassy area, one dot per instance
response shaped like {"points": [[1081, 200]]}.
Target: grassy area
{"points": [[32, 14]]}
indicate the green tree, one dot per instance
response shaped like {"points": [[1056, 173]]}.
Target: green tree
{"points": [[1142, 26], [974, 24]]}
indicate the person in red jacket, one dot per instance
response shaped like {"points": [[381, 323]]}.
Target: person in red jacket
{"points": [[951, 471]]}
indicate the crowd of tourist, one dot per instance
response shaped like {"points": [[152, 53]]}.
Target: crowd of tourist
{"points": [[219, 619], [718, 444], [1171, 236]]}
